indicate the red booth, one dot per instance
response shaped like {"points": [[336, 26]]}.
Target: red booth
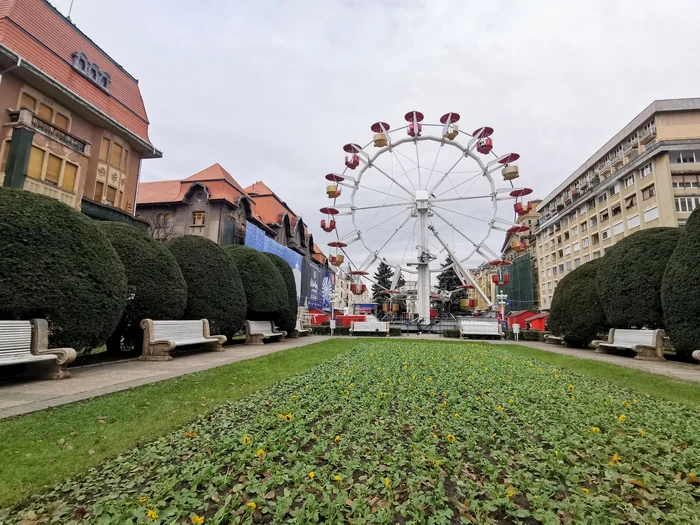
{"points": [[537, 321], [519, 317]]}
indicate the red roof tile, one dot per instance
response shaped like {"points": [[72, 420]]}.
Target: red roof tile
{"points": [[38, 33]]}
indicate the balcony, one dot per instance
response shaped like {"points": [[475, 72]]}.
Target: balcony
{"points": [[617, 160], [33, 121], [647, 135], [606, 169], [685, 167]]}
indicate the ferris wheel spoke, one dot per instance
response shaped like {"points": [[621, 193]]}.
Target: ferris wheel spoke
{"points": [[358, 185], [394, 234], [390, 219], [408, 244], [444, 176], [360, 208], [420, 185], [469, 198], [479, 219], [430, 175], [393, 152], [393, 179], [479, 246], [470, 179]]}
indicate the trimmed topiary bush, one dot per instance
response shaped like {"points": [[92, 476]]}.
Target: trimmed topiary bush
{"points": [[577, 313], [214, 288], [264, 287], [156, 287], [287, 320], [55, 263], [680, 290], [629, 278]]}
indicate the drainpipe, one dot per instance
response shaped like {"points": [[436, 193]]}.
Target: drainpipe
{"points": [[18, 64]]}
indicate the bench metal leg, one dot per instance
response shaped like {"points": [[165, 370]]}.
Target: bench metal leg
{"points": [[253, 339]]}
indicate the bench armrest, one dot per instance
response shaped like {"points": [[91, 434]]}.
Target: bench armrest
{"points": [[207, 333], [40, 343], [609, 340]]}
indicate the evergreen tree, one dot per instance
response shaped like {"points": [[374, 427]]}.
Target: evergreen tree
{"points": [[447, 281], [382, 281]]}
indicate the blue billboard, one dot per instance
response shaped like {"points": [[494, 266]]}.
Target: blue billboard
{"points": [[256, 238]]}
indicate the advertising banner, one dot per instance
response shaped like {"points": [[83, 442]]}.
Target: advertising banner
{"points": [[256, 238], [317, 286]]}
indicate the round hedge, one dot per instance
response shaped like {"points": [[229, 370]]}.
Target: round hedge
{"points": [[577, 313], [214, 288], [265, 290], [287, 320], [55, 263], [629, 278], [680, 289], [156, 287]]}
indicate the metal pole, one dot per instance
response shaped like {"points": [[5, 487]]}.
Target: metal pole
{"points": [[422, 198]]}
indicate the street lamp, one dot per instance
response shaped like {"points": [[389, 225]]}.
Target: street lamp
{"points": [[502, 301]]}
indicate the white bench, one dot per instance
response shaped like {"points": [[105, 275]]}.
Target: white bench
{"points": [[370, 327], [256, 331], [696, 355], [553, 339], [648, 344], [26, 342], [479, 328], [300, 330], [161, 337]]}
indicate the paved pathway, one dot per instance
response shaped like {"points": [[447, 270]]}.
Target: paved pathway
{"points": [[22, 397]]}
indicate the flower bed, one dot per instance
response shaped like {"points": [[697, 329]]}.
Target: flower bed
{"points": [[399, 432]]}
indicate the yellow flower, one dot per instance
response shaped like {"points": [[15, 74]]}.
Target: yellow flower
{"points": [[635, 401], [388, 380], [451, 438], [260, 452], [571, 387], [338, 478], [289, 417], [556, 452], [152, 514], [615, 459], [432, 393], [478, 398], [314, 436], [443, 404], [457, 416], [143, 499], [434, 427], [622, 418], [311, 475], [246, 440], [197, 520], [337, 439], [499, 408], [387, 482], [585, 490], [641, 433], [494, 435], [595, 430], [625, 404], [435, 436], [556, 376], [251, 505], [511, 401]]}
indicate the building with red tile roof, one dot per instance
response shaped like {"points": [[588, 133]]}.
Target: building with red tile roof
{"points": [[75, 123]]}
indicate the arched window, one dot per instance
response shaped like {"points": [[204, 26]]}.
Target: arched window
{"points": [[81, 64], [166, 220]]}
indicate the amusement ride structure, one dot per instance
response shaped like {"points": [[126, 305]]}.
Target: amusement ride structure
{"points": [[418, 191]]}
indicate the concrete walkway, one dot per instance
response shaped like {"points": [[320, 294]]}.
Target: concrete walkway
{"points": [[27, 395]]}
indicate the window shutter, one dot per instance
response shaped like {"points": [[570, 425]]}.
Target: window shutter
{"points": [[99, 191], [70, 173], [104, 149], [112, 195], [36, 162], [61, 121], [45, 112], [28, 102], [5, 155], [116, 155], [53, 169]]}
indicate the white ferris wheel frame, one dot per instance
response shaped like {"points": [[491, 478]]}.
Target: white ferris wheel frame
{"points": [[420, 202]]}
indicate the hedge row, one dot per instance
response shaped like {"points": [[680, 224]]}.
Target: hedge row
{"points": [[95, 281], [647, 280]]}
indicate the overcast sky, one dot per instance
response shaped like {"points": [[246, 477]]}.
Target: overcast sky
{"points": [[272, 90]]}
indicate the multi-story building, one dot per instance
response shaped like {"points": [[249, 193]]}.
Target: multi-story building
{"points": [[74, 123], [343, 299], [482, 277], [647, 175]]}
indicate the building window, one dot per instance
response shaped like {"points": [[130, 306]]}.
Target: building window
{"points": [[594, 221], [684, 157], [651, 214], [585, 242], [44, 111], [561, 268], [628, 181], [649, 192], [618, 228], [604, 215], [633, 221], [630, 201], [647, 169], [586, 258], [577, 263], [577, 247], [574, 230], [615, 189], [568, 266], [549, 272], [566, 236], [596, 254], [567, 250], [602, 198], [591, 205], [605, 234], [616, 210], [685, 181], [54, 170], [687, 204], [582, 210], [198, 218], [595, 238], [573, 216], [584, 226]]}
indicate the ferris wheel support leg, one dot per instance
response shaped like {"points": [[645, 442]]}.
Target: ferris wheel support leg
{"points": [[423, 258]]}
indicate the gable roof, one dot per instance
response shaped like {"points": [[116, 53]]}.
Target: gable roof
{"points": [[269, 206], [35, 31]]}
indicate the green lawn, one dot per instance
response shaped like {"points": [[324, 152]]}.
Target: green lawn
{"points": [[44, 448], [394, 431]]}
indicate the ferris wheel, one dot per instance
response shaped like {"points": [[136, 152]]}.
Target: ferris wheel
{"points": [[422, 193]]}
